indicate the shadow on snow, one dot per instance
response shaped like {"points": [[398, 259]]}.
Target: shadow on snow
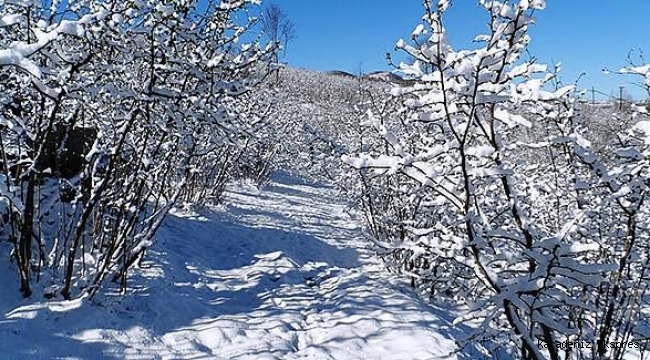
{"points": [[236, 279]]}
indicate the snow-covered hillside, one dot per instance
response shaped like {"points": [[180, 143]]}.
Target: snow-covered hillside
{"points": [[279, 273]]}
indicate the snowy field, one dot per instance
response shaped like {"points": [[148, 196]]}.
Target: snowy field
{"points": [[278, 273]]}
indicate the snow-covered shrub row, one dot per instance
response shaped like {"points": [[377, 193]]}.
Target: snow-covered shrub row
{"points": [[485, 189], [312, 121], [111, 112]]}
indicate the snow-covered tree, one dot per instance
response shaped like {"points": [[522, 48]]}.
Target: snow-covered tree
{"points": [[485, 190], [113, 111]]}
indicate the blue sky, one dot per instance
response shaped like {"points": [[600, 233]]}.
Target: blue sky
{"points": [[585, 35]]}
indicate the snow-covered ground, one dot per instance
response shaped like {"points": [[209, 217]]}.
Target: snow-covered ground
{"points": [[278, 273]]}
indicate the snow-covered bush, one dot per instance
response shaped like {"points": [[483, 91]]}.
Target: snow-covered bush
{"points": [[312, 122], [111, 112], [485, 190]]}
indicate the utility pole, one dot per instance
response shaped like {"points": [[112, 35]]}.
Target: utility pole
{"points": [[620, 97], [593, 95]]}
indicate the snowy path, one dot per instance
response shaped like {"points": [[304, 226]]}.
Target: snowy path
{"points": [[276, 274]]}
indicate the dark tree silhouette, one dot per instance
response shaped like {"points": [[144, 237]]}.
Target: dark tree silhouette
{"points": [[278, 28]]}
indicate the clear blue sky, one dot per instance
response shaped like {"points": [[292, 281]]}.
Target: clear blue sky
{"points": [[585, 35]]}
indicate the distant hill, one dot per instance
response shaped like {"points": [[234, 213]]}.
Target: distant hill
{"points": [[341, 73], [387, 77], [381, 76]]}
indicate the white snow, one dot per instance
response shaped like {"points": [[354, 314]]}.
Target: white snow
{"points": [[10, 19], [644, 127], [419, 30], [278, 273], [511, 120], [166, 10]]}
